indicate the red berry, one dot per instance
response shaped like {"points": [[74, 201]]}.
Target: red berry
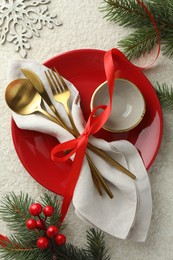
{"points": [[52, 231], [35, 209], [39, 224], [60, 239], [31, 223], [48, 211], [42, 242]]}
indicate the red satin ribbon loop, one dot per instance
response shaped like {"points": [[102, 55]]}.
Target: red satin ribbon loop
{"points": [[78, 146], [95, 122], [56, 153], [92, 126]]}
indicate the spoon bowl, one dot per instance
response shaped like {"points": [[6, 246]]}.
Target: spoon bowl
{"points": [[23, 99]]}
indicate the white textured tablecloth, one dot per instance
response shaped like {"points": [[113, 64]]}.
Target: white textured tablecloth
{"points": [[84, 27]]}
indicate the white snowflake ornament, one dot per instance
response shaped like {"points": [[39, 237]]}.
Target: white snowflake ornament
{"points": [[20, 20]]}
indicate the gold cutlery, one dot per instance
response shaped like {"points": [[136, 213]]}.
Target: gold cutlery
{"points": [[23, 99], [61, 94], [38, 85], [36, 82], [99, 177]]}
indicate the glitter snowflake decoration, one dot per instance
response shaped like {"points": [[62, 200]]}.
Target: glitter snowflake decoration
{"points": [[20, 20]]}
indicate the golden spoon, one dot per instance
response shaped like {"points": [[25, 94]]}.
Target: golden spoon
{"points": [[38, 85], [23, 99]]}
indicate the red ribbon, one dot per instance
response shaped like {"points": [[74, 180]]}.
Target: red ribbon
{"points": [[78, 145], [95, 122], [3, 240]]}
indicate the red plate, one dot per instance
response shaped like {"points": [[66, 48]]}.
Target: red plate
{"points": [[85, 69]]}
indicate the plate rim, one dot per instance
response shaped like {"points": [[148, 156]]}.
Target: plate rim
{"points": [[69, 52]]}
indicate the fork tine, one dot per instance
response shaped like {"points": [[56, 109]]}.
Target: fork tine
{"points": [[50, 82], [56, 74], [61, 79], [55, 85], [57, 82]]}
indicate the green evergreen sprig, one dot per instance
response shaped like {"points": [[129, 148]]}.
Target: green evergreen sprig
{"points": [[130, 13], [165, 94], [14, 213], [140, 41], [22, 243], [95, 246], [126, 13]]}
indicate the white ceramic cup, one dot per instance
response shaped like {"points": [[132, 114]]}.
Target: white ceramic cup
{"points": [[128, 106]]}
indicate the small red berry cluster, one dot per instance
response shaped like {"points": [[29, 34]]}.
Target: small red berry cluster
{"points": [[51, 232]]}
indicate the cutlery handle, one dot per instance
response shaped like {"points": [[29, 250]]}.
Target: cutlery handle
{"points": [[95, 179], [100, 178], [61, 121], [49, 116], [110, 160]]}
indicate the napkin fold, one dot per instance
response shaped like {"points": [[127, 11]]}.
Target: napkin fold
{"points": [[128, 214]]}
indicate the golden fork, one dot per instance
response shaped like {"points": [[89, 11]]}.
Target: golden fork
{"points": [[62, 94]]}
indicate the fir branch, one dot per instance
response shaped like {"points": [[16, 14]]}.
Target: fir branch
{"points": [[141, 41], [130, 13], [12, 208], [14, 211], [167, 48], [23, 244], [165, 94], [96, 248], [126, 13]]}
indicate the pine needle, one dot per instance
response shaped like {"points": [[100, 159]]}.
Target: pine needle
{"points": [[14, 211], [165, 95], [70, 252], [125, 13], [96, 245], [167, 48], [139, 42]]}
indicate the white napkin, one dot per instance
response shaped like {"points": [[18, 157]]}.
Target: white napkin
{"points": [[128, 214]]}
